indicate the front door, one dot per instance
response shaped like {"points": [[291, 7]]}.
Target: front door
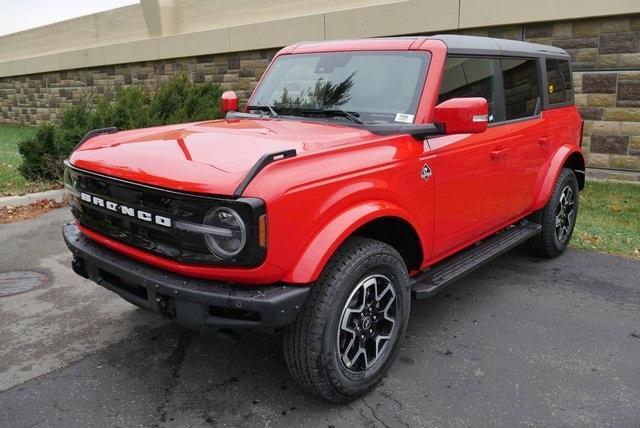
{"points": [[471, 180], [470, 171]]}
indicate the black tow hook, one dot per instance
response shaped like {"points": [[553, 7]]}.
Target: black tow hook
{"points": [[166, 307]]}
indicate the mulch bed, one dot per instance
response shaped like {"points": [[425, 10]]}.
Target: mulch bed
{"points": [[12, 214]]}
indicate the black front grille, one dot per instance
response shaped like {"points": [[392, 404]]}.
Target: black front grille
{"points": [[169, 242]]}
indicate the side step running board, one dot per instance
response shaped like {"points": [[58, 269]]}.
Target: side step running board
{"points": [[444, 273]]}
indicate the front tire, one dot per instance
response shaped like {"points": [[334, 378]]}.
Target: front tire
{"points": [[349, 330], [558, 217]]}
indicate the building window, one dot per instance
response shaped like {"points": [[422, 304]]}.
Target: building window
{"points": [[558, 81], [470, 77], [521, 87]]}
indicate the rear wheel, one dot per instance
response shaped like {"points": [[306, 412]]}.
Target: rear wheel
{"points": [[558, 217], [350, 328]]}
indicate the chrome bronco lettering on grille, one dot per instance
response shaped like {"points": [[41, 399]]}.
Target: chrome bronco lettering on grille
{"points": [[125, 210]]}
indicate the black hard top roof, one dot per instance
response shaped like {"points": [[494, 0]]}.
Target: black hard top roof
{"points": [[473, 45]]}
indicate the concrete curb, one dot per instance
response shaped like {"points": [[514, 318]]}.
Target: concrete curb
{"points": [[603, 174], [15, 201]]}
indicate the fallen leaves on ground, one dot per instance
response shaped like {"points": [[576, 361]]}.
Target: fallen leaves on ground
{"points": [[616, 208], [11, 214], [589, 238]]}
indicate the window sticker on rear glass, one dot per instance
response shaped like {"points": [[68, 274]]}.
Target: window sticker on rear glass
{"points": [[404, 118]]}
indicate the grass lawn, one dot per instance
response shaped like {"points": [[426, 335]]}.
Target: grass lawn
{"points": [[609, 219], [11, 182]]}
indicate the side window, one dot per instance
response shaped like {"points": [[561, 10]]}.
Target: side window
{"points": [[470, 77], [558, 81], [521, 87]]}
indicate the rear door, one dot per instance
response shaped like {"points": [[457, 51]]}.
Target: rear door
{"points": [[530, 144], [563, 121], [471, 171]]}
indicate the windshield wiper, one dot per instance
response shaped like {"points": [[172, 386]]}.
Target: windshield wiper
{"points": [[352, 116], [266, 108]]}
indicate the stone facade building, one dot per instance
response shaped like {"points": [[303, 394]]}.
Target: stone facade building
{"points": [[605, 52]]}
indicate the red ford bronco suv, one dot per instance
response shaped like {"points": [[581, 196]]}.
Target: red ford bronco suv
{"points": [[360, 174]]}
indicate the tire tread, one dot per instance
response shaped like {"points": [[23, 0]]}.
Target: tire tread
{"points": [[543, 244], [303, 340]]}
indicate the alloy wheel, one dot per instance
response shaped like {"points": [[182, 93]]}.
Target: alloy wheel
{"points": [[565, 213], [367, 323]]}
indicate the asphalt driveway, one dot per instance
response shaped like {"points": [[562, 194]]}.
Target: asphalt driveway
{"points": [[522, 341]]}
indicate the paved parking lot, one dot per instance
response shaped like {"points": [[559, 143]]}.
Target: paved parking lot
{"points": [[521, 342]]}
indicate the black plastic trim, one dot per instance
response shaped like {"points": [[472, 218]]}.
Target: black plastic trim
{"points": [[465, 45], [259, 166], [462, 263], [95, 132], [194, 302], [418, 131], [510, 121]]}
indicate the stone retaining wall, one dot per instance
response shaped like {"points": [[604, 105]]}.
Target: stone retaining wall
{"points": [[605, 54], [39, 98], [610, 105]]}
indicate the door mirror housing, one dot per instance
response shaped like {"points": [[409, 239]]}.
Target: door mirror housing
{"points": [[462, 115], [228, 102]]}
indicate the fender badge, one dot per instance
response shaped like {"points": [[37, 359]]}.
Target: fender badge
{"points": [[426, 172]]}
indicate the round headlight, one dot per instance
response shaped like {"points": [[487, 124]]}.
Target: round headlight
{"points": [[225, 218]]}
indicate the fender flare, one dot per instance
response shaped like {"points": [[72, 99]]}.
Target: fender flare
{"points": [[548, 181], [330, 237]]}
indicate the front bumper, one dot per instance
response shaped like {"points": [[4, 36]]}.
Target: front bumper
{"points": [[196, 303]]}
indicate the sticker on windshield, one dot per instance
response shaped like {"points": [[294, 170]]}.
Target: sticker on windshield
{"points": [[404, 118]]}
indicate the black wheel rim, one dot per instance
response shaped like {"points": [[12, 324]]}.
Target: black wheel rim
{"points": [[565, 214], [367, 323]]}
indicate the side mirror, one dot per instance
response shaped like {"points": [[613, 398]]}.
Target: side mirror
{"points": [[462, 115], [228, 102]]}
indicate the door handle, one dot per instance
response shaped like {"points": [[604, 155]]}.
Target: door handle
{"points": [[500, 154], [544, 141]]}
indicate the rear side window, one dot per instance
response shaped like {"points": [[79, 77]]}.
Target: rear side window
{"points": [[521, 87], [471, 77], [559, 87]]}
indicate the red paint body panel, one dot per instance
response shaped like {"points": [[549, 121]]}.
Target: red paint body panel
{"points": [[382, 171], [327, 240], [472, 194], [564, 135], [206, 157], [344, 177]]}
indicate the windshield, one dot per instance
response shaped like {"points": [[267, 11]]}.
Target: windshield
{"points": [[372, 86]]}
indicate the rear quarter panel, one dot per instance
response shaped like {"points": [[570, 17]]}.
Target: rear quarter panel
{"points": [[564, 126]]}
